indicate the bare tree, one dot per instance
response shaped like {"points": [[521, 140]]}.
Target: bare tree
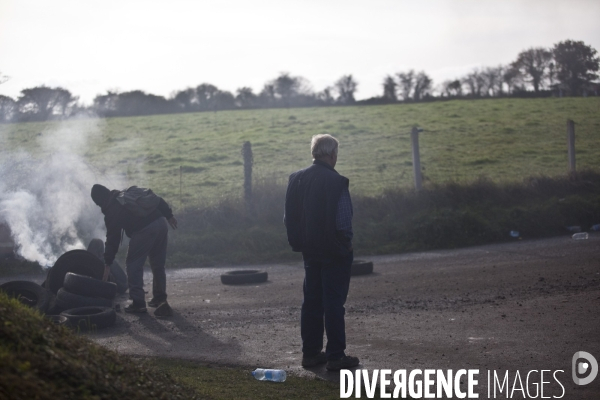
{"points": [[532, 65], [452, 88], [346, 86], [422, 87], [8, 108], [389, 88], [551, 74], [510, 77], [493, 80], [267, 94], [476, 82], [406, 82], [326, 95]]}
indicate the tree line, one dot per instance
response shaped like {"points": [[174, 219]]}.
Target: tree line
{"points": [[569, 68]]}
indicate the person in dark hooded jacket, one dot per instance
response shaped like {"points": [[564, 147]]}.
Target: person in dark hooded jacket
{"points": [[148, 239]]}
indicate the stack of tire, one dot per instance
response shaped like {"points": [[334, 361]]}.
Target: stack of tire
{"points": [[81, 295], [41, 299], [73, 288], [87, 302]]}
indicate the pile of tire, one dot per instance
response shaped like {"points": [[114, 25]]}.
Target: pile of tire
{"points": [[81, 294], [84, 291], [73, 288], [41, 299]]}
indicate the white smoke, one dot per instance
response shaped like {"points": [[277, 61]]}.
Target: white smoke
{"points": [[45, 193]]}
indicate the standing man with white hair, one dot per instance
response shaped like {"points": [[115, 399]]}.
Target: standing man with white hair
{"points": [[318, 219]]}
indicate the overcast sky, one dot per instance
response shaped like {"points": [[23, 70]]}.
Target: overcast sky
{"points": [[90, 46]]}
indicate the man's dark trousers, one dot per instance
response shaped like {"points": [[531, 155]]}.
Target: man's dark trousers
{"points": [[326, 284], [150, 242]]}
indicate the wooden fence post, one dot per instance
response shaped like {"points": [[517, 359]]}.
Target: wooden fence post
{"points": [[180, 187], [414, 140], [571, 145], [248, 161]]}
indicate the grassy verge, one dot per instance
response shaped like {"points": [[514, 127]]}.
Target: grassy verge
{"points": [[235, 383], [40, 360], [448, 215]]}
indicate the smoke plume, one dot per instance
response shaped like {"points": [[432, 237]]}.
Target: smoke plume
{"points": [[45, 191]]}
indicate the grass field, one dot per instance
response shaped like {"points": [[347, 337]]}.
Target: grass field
{"points": [[502, 139]]}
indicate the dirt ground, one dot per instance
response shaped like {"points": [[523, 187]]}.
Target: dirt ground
{"points": [[521, 306]]}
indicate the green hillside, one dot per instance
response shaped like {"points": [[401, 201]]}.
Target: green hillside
{"points": [[502, 139]]}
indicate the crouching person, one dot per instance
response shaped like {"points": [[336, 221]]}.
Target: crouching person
{"points": [[143, 216]]}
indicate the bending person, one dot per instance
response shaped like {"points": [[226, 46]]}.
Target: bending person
{"points": [[148, 236]]}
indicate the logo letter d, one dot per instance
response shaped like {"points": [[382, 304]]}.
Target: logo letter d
{"points": [[592, 363]]}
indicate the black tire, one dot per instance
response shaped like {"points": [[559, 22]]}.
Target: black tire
{"points": [[120, 277], [360, 267], [243, 276], [90, 287], [80, 262], [28, 293], [86, 318], [66, 300]]}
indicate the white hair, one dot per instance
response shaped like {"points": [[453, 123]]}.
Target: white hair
{"points": [[323, 145]]}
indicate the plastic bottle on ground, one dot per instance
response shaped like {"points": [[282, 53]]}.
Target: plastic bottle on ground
{"points": [[596, 227], [275, 375], [580, 236]]}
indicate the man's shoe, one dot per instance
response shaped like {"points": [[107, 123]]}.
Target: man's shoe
{"points": [[163, 310], [313, 361], [343, 363], [133, 309], [154, 303]]}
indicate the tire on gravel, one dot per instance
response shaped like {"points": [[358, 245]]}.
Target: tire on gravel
{"points": [[87, 318], [28, 293], [90, 287], [244, 276], [80, 262], [66, 300], [360, 267]]}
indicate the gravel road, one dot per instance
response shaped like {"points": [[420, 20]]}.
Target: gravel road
{"points": [[521, 306]]}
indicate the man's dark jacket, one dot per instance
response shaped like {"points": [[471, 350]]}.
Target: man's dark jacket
{"points": [[311, 205], [117, 218]]}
